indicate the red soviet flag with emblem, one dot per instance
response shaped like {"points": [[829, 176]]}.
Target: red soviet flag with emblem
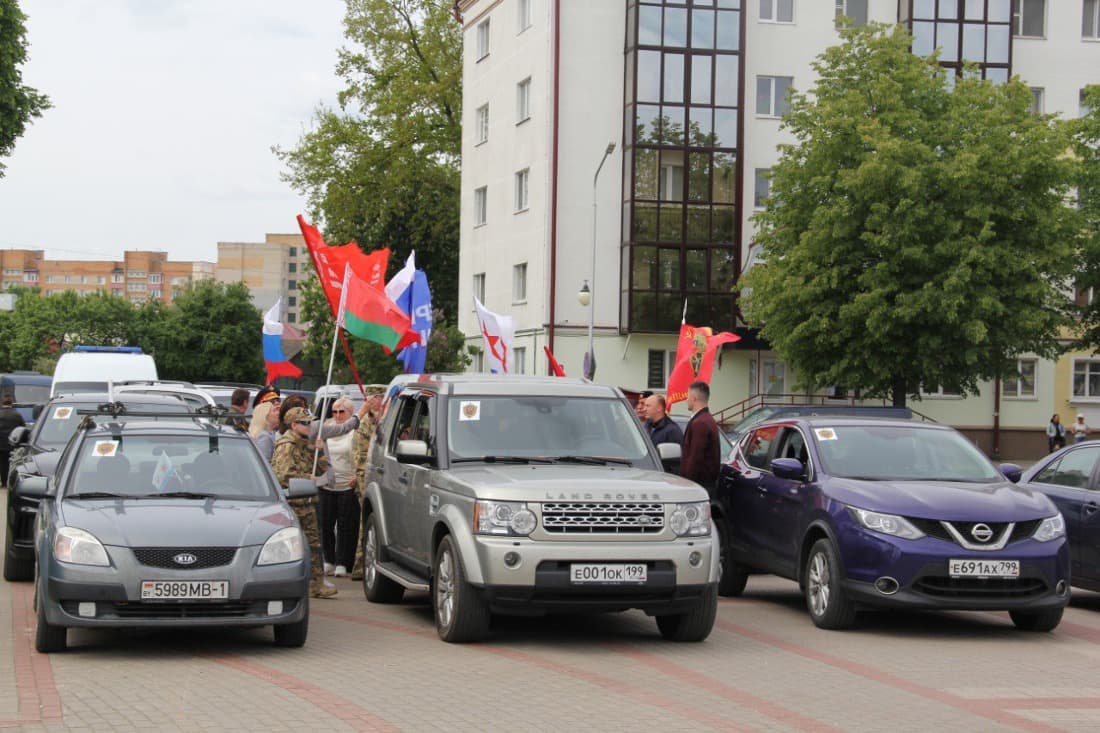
{"points": [[368, 267], [695, 353]]}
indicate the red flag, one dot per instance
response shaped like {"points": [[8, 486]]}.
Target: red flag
{"points": [[329, 262], [695, 352], [555, 367]]}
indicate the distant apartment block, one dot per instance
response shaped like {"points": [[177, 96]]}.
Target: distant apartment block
{"points": [[270, 269], [139, 276]]}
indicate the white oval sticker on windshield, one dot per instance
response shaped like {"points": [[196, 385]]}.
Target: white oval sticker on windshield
{"points": [[469, 411], [825, 433], [106, 448], [62, 413]]}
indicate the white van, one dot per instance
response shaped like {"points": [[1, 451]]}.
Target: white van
{"points": [[90, 368]]}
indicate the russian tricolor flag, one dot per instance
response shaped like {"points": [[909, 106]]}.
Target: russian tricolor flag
{"points": [[277, 363]]}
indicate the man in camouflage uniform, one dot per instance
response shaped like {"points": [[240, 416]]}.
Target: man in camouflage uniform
{"points": [[361, 452], [293, 458]]}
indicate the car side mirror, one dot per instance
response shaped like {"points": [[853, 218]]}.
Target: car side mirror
{"points": [[35, 487], [301, 488], [670, 454], [1011, 471], [788, 468], [413, 451], [18, 436]]}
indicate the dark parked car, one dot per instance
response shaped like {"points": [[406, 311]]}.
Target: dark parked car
{"points": [[889, 514], [36, 450], [166, 524], [27, 389], [1071, 478], [770, 412]]}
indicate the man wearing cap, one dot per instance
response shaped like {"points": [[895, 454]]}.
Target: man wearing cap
{"points": [[293, 458], [1080, 429]]}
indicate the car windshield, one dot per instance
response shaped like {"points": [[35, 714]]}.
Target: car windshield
{"points": [[901, 453], [153, 466], [58, 421], [31, 394], [556, 428], [759, 415]]}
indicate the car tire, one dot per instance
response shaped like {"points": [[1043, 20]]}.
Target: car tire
{"points": [[461, 614], [47, 637], [733, 577], [1037, 620], [293, 634], [826, 601], [14, 568], [376, 587], [695, 625]]}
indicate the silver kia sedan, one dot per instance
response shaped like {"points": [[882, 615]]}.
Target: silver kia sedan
{"points": [[156, 524]]}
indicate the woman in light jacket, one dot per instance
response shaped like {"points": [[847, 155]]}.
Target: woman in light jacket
{"points": [[338, 508]]}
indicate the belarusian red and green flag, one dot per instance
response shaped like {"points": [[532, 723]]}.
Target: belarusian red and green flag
{"points": [[368, 314]]}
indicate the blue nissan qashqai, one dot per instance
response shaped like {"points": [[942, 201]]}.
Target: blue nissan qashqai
{"points": [[889, 514]]}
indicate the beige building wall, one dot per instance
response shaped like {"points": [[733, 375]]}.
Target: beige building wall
{"points": [[270, 269]]}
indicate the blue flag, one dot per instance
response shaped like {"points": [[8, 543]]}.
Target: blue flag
{"points": [[416, 300]]}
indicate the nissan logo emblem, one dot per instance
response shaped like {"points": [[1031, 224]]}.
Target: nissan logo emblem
{"points": [[186, 558], [981, 532]]}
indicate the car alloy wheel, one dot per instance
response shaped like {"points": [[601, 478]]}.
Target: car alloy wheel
{"points": [[445, 589], [825, 597], [817, 585], [370, 556]]}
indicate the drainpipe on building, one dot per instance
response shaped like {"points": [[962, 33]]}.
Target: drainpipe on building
{"points": [[997, 417], [554, 184]]}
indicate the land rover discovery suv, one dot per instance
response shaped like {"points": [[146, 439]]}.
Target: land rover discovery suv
{"points": [[528, 495]]}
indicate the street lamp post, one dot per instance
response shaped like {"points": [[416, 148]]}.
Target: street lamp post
{"points": [[587, 294]]}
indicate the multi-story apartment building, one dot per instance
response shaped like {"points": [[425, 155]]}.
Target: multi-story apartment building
{"points": [[270, 269], [139, 276], [690, 93]]}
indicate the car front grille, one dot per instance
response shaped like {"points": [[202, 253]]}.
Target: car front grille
{"points": [[596, 517], [936, 528], [205, 557], [942, 586]]}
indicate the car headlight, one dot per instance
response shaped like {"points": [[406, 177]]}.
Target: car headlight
{"points": [[890, 524], [503, 518], [78, 547], [1051, 528], [286, 545], [692, 520]]}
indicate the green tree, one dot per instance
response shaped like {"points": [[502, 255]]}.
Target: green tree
{"points": [[917, 233], [18, 102], [1087, 150], [211, 332], [382, 170]]}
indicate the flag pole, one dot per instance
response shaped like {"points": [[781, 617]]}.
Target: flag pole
{"points": [[331, 362]]}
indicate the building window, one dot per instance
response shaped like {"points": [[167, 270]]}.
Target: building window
{"points": [[523, 100], [482, 126], [521, 189], [291, 318], [777, 11], [773, 377], [1086, 378], [771, 95], [1082, 108], [1090, 20], [291, 284], [30, 277], [154, 293], [156, 278], [659, 366], [292, 267], [482, 39], [293, 251], [292, 301], [1023, 384], [761, 188], [135, 273], [136, 287], [101, 279], [939, 392], [519, 283], [854, 10], [1037, 101], [477, 360], [481, 197], [479, 287], [117, 277], [1029, 18], [523, 15], [519, 360]]}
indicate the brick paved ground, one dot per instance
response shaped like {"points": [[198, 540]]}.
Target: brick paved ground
{"points": [[370, 667]]}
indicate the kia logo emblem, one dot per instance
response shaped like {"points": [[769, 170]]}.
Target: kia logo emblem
{"points": [[981, 532], [185, 558]]}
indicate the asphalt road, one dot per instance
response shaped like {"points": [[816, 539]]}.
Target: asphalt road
{"points": [[370, 667]]}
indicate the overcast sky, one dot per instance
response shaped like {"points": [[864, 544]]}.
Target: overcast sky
{"points": [[164, 115]]}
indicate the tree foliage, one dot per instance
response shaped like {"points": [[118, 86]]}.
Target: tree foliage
{"points": [[382, 170], [917, 233], [210, 333], [1087, 152], [18, 102]]}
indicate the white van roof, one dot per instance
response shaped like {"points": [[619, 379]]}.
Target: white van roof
{"points": [[89, 369]]}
